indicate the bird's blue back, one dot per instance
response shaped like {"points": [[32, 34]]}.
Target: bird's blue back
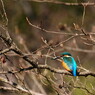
{"points": [[71, 64]]}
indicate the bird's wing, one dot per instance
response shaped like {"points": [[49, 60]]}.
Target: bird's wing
{"points": [[70, 62]]}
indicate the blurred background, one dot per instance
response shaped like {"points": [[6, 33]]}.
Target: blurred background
{"points": [[53, 17]]}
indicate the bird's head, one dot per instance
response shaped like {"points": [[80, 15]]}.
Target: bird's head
{"points": [[67, 54], [64, 54]]}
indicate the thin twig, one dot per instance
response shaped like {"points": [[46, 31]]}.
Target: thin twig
{"points": [[4, 12], [64, 3]]}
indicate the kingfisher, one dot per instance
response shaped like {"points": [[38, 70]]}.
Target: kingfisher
{"points": [[68, 62]]}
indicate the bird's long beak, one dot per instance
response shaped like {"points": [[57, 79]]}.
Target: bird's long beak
{"points": [[57, 58]]}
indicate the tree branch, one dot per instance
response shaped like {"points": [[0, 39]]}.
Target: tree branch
{"points": [[64, 3], [51, 69]]}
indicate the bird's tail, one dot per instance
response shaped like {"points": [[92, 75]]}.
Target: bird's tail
{"points": [[74, 72]]}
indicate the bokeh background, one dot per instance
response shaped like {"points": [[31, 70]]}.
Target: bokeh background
{"points": [[52, 17]]}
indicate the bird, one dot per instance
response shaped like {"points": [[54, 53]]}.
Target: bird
{"points": [[68, 62]]}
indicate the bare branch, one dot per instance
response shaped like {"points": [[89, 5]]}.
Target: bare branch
{"points": [[4, 12], [60, 33], [58, 71], [64, 3]]}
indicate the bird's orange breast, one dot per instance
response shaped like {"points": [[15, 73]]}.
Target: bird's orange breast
{"points": [[65, 66]]}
